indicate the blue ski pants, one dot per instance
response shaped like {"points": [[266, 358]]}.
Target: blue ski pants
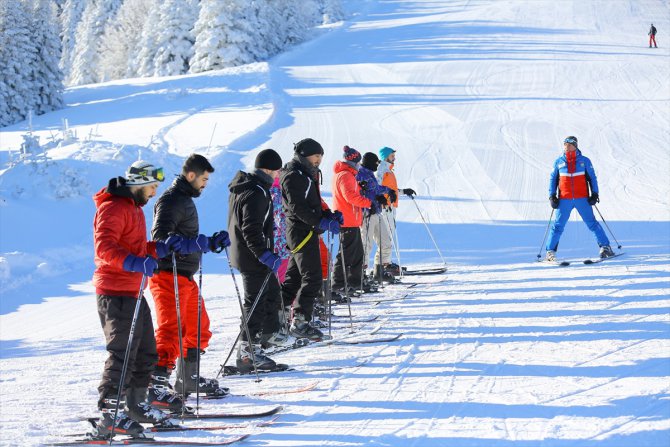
{"points": [[585, 210]]}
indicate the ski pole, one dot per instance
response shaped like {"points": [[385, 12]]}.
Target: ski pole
{"points": [[126, 356], [251, 311], [393, 242], [608, 227], [539, 253], [329, 286], [429, 232], [379, 250], [366, 255], [179, 334], [397, 242], [197, 366], [346, 286]]}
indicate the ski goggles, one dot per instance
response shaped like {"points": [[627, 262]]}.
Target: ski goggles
{"points": [[571, 140], [148, 174]]}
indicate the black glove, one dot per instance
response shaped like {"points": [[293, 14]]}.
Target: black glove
{"points": [[338, 217], [594, 199], [393, 196], [381, 200], [554, 201], [363, 184], [409, 192]]}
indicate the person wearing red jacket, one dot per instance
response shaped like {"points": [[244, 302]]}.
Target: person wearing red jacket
{"points": [[122, 257], [348, 200]]}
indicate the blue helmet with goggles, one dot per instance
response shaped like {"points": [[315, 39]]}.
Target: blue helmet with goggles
{"points": [[143, 173], [571, 140]]}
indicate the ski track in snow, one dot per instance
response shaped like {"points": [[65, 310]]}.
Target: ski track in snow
{"points": [[476, 97]]}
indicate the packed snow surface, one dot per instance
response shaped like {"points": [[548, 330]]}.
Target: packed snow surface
{"points": [[476, 97]]}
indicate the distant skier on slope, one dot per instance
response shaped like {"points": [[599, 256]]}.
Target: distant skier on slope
{"points": [[652, 36], [122, 256], [569, 184]]}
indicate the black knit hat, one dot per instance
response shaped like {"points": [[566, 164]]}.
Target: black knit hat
{"points": [[308, 147], [370, 161], [268, 159]]}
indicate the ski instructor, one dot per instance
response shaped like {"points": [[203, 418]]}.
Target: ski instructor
{"points": [[569, 184]]}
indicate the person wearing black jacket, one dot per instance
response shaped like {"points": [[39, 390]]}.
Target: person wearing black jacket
{"points": [[652, 36], [175, 213], [251, 228], [307, 216]]}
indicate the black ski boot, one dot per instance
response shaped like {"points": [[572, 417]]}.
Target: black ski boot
{"points": [[386, 276], [370, 285], [300, 328], [139, 409], [245, 363], [606, 251], [124, 424], [161, 395], [394, 269], [207, 387]]}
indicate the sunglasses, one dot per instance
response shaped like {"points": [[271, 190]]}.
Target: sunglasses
{"points": [[148, 174]]}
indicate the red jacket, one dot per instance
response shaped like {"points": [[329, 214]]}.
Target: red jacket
{"points": [[346, 195], [119, 229]]}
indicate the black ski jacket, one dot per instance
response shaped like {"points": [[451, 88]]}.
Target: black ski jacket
{"points": [[250, 220], [301, 198], [175, 213]]}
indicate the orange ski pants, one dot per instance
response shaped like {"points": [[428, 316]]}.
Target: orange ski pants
{"points": [[167, 337]]}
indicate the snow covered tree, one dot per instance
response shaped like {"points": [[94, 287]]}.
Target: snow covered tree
{"points": [[18, 55], [48, 86], [121, 38], [175, 37], [331, 11], [86, 63], [70, 17], [223, 35], [142, 60]]}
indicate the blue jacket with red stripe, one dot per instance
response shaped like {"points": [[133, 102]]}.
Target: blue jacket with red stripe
{"points": [[573, 185]]}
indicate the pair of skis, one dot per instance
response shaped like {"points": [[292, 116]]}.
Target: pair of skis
{"points": [[564, 263], [154, 441]]}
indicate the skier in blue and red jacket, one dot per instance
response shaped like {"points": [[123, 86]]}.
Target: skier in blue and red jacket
{"points": [[569, 184]]}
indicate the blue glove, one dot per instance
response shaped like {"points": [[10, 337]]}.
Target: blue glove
{"points": [[219, 241], [134, 263], [198, 244], [327, 224], [170, 245], [338, 217], [271, 260]]}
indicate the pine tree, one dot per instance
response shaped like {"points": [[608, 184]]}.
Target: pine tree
{"points": [[18, 55], [121, 40], [70, 17], [86, 63], [48, 87], [175, 38], [142, 60], [223, 36]]}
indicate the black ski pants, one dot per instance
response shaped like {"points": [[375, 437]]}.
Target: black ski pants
{"points": [[352, 246], [303, 279], [116, 317], [265, 317]]}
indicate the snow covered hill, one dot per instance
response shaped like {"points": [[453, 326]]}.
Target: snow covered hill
{"points": [[476, 97]]}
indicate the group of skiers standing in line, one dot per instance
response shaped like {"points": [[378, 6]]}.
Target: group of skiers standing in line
{"points": [[277, 223]]}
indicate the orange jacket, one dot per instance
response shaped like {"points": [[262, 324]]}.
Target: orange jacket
{"points": [[346, 195], [119, 229], [386, 177]]}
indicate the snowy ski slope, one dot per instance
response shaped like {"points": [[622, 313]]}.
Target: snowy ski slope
{"points": [[476, 96]]}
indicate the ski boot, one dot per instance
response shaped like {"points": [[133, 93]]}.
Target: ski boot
{"points": [[369, 285], [123, 425], [139, 409], [606, 252], [551, 256], [245, 362], [161, 394], [301, 328], [386, 276], [281, 339], [188, 368], [394, 269]]}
